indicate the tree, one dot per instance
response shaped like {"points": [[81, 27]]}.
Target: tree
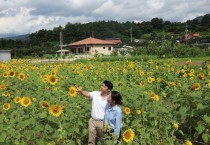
{"points": [[206, 21], [157, 23]]}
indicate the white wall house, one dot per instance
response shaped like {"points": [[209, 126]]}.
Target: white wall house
{"points": [[92, 46], [5, 55]]}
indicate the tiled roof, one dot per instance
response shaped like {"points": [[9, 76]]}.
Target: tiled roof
{"points": [[196, 35], [114, 41], [89, 41]]}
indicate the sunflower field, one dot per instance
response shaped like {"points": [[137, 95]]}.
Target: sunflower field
{"points": [[163, 103]]}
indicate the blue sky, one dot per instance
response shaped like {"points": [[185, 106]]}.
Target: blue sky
{"points": [[19, 17]]}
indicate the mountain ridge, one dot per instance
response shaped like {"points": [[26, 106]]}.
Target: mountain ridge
{"points": [[26, 36]]}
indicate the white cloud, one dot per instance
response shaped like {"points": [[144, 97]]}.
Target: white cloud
{"points": [[27, 16]]}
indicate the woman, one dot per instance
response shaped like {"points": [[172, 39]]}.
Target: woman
{"points": [[113, 117]]}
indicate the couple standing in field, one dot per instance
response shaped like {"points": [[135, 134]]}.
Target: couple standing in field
{"points": [[106, 118]]}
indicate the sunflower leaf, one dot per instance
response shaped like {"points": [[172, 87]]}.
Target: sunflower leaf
{"points": [[206, 119], [3, 136], [205, 137], [42, 115]]}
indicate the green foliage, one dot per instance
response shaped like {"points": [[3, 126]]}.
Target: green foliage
{"points": [[170, 49]]}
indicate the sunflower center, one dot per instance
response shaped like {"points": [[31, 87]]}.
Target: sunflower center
{"points": [[128, 135], [72, 91], [52, 79], [44, 104], [55, 110], [6, 106], [12, 73], [26, 101]]}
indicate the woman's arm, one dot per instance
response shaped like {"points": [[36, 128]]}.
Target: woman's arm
{"points": [[118, 123]]}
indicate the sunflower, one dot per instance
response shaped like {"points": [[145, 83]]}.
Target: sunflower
{"points": [[53, 79], [171, 83], [12, 74], [192, 71], [44, 104], [159, 80], [178, 71], [5, 74], [195, 87], [6, 106], [53, 72], [141, 73], [188, 142], [6, 94], [17, 100], [182, 70], [128, 135], [2, 87], [127, 110], [150, 79], [21, 76], [72, 91], [175, 125], [25, 101], [55, 110], [45, 80], [201, 76], [154, 96], [185, 75], [138, 112]]}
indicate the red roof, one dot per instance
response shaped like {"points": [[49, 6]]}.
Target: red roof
{"points": [[115, 41], [91, 40], [196, 35]]}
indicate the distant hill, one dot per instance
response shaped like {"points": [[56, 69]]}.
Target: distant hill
{"points": [[199, 18], [25, 37], [19, 37]]}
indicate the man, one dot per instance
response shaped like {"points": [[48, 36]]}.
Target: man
{"points": [[99, 101]]}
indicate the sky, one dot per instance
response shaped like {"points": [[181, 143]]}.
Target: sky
{"points": [[19, 17]]}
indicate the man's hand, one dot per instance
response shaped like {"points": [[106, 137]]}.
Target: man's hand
{"points": [[78, 89], [84, 93]]}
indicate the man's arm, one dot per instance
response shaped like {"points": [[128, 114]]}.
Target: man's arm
{"points": [[84, 93]]}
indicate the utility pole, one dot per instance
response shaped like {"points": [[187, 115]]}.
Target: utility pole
{"points": [[131, 34], [186, 32], [61, 44]]}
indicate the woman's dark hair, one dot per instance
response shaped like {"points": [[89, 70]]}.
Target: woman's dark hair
{"points": [[116, 96], [108, 84]]}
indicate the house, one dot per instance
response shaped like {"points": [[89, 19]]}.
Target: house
{"points": [[92, 46], [195, 35], [5, 55]]}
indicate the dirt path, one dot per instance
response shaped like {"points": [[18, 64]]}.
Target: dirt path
{"points": [[193, 63]]}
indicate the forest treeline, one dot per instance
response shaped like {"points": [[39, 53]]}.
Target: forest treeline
{"points": [[47, 41]]}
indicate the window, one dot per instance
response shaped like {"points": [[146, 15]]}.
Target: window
{"points": [[104, 47], [80, 50], [87, 49], [73, 50], [110, 48]]}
